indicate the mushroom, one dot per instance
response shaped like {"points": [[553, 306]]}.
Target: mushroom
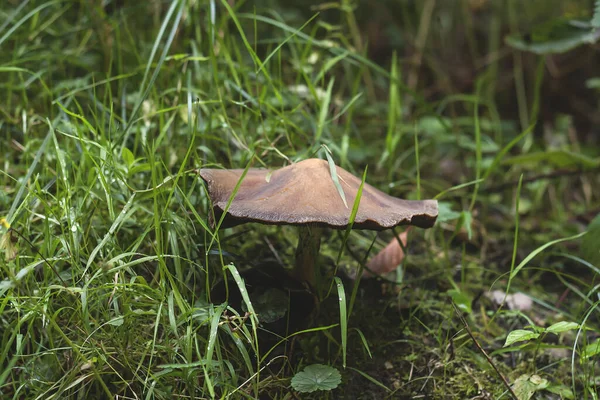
{"points": [[304, 194]]}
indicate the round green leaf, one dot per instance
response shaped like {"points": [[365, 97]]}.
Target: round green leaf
{"points": [[316, 377]]}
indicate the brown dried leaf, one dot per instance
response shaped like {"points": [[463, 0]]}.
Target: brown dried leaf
{"points": [[388, 259]]}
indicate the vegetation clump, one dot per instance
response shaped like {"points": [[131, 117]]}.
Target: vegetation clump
{"points": [[115, 284]]}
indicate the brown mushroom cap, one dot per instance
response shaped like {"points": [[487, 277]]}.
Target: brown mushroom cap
{"points": [[304, 193]]}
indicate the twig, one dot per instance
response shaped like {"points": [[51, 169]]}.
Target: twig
{"points": [[489, 360]]}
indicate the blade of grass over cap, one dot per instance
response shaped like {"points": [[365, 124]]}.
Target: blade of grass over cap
{"points": [[334, 176], [231, 198], [347, 231], [353, 213]]}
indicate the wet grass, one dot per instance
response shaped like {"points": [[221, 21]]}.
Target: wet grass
{"points": [[113, 284]]}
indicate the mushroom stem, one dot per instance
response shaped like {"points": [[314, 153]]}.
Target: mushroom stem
{"points": [[307, 252]]}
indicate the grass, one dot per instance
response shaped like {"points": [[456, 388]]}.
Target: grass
{"points": [[113, 284]]}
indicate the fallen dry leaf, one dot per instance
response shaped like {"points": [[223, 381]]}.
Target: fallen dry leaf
{"points": [[388, 259]]}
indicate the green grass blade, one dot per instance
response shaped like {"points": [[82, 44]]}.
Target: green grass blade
{"points": [[505, 150], [392, 136], [157, 43], [371, 379], [364, 342], [343, 317], [212, 342], [457, 187], [537, 251], [25, 19], [418, 166], [253, 317], [287, 39], [334, 177], [32, 167], [478, 152], [324, 111], [353, 212], [123, 215]]}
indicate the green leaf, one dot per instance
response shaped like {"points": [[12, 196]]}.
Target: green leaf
{"points": [[462, 300], [591, 349], [316, 377], [562, 326], [590, 245], [556, 36], [446, 213], [563, 391], [434, 126], [127, 156], [525, 386], [466, 219], [118, 321], [520, 335]]}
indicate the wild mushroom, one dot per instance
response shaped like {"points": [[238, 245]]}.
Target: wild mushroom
{"points": [[304, 194]]}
